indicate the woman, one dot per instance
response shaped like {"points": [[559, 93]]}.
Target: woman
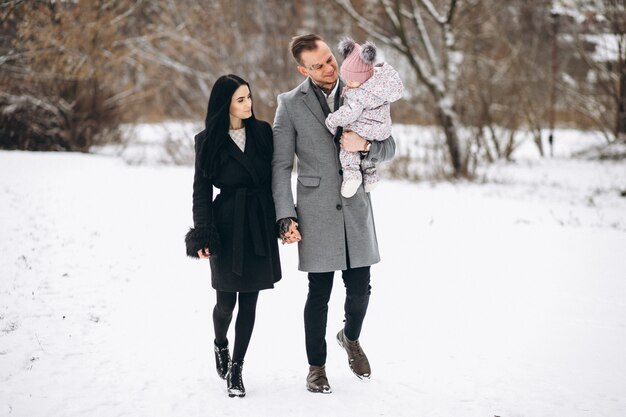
{"points": [[236, 231]]}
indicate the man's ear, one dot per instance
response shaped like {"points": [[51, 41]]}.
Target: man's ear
{"points": [[303, 71]]}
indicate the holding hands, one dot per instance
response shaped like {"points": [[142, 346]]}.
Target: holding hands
{"points": [[288, 230]]}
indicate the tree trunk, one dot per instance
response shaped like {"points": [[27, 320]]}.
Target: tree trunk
{"points": [[452, 141], [538, 140], [620, 131]]}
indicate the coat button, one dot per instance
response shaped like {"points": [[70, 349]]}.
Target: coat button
{"points": [[338, 206], [341, 172]]}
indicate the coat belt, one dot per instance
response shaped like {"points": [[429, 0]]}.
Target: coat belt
{"points": [[248, 201]]}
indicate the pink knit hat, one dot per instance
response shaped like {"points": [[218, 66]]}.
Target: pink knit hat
{"points": [[358, 61]]}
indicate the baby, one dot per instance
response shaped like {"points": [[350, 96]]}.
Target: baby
{"points": [[365, 110]]}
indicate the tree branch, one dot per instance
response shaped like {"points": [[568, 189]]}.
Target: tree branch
{"points": [[393, 17], [450, 13], [370, 27], [127, 13], [433, 12], [424, 38]]}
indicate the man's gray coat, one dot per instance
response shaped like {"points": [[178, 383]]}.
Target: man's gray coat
{"points": [[327, 221]]}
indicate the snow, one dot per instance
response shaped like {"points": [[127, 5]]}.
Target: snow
{"points": [[500, 297], [145, 143], [569, 8], [606, 47]]}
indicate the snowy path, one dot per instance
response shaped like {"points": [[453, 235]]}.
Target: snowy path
{"points": [[505, 300]]}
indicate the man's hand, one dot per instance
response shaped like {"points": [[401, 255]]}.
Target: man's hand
{"points": [[288, 231], [352, 142]]}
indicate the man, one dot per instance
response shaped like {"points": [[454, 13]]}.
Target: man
{"points": [[337, 233]]}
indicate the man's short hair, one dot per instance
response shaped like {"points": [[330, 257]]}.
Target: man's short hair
{"points": [[303, 43]]}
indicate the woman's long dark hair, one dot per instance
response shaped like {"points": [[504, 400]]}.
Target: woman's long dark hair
{"points": [[217, 122]]}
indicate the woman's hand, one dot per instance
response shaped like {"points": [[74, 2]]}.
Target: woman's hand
{"points": [[204, 253], [352, 142]]}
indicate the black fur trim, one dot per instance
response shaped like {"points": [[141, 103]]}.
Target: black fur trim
{"points": [[368, 53], [346, 46], [202, 237]]}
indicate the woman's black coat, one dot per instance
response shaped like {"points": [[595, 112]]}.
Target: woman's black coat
{"points": [[238, 226]]}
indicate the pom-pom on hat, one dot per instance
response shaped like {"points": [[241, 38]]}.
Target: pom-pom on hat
{"points": [[358, 63]]}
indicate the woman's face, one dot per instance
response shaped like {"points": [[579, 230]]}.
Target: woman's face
{"points": [[241, 103]]}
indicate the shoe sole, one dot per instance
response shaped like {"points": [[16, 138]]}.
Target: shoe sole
{"points": [[316, 391], [361, 377]]}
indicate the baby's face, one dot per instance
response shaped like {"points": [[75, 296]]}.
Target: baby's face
{"points": [[353, 84]]}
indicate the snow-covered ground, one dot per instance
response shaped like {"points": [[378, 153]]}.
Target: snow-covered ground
{"points": [[503, 298]]}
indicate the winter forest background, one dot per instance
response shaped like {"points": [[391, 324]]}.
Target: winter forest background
{"points": [[501, 221], [489, 73]]}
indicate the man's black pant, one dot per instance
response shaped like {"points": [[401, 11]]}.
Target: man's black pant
{"points": [[357, 283]]}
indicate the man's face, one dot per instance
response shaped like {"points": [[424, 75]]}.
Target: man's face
{"points": [[319, 64]]}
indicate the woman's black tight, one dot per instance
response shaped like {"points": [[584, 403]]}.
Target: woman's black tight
{"points": [[223, 314]]}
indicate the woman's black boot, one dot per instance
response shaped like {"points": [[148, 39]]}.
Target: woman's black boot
{"points": [[222, 359], [234, 380]]}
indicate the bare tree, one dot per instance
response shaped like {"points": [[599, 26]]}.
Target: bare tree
{"points": [[600, 30], [613, 68], [488, 101], [57, 73], [509, 72], [155, 60], [425, 35], [71, 71]]}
